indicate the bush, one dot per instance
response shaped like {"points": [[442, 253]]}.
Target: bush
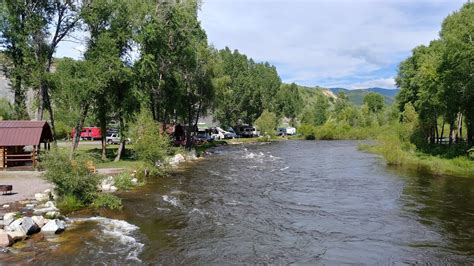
{"points": [[75, 184], [70, 203], [149, 144], [108, 201], [308, 131], [267, 123], [71, 178], [123, 181]]}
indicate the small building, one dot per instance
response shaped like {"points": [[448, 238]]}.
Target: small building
{"points": [[20, 142]]}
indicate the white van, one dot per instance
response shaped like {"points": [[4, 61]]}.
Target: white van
{"points": [[218, 133], [284, 131]]}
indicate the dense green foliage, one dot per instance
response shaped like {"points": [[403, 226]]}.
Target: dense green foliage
{"points": [[75, 184], [6, 111], [150, 145], [243, 88], [374, 102], [267, 122], [437, 80]]}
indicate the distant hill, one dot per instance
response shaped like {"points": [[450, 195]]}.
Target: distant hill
{"points": [[357, 96]]}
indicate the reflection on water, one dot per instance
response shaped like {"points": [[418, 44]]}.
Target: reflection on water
{"points": [[289, 202]]}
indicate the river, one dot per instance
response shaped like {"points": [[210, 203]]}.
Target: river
{"points": [[287, 202]]}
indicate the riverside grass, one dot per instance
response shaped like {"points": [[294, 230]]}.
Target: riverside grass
{"points": [[398, 153]]}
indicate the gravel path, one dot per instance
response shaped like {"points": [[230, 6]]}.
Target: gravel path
{"points": [[25, 185]]}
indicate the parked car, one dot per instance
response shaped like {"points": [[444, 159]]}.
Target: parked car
{"points": [[248, 132], [230, 134], [217, 133], [114, 138], [284, 131], [203, 135]]}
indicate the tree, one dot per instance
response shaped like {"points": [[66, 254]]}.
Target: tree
{"points": [[288, 101], [60, 18], [78, 81], [267, 123], [374, 101], [457, 34], [321, 109], [19, 20], [110, 34], [243, 88]]}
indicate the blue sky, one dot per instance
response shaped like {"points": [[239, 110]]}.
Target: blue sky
{"points": [[330, 43], [333, 43]]}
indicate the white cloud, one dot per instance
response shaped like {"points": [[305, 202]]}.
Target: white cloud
{"points": [[312, 42]]}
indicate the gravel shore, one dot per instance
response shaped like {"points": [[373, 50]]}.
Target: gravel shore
{"points": [[25, 185]]}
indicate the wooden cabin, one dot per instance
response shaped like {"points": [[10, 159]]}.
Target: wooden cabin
{"points": [[20, 142]]}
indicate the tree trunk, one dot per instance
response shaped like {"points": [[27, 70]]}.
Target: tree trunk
{"points": [[451, 132], [470, 130], [102, 116], [39, 115], [121, 148], [103, 146], [442, 128], [19, 100], [190, 128], [51, 119], [459, 127], [78, 129], [198, 112]]}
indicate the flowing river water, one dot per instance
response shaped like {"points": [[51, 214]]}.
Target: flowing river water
{"points": [[288, 202]]}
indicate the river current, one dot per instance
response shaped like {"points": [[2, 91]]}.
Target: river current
{"points": [[301, 202]]}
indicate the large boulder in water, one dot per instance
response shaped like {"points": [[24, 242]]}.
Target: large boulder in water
{"points": [[8, 218], [53, 227], [17, 235], [5, 239], [39, 220], [25, 225]]}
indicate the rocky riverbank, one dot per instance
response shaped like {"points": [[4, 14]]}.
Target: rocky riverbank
{"points": [[26, 218], [32, 216]]}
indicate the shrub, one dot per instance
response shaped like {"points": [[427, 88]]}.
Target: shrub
{"points": [[123, 181], [307, 131], [75, 184], [70, 203], [108, 201], [267, 123], [149, 144], [71, 178]]}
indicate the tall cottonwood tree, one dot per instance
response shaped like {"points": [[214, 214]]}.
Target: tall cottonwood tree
{"points": [[61, 18], [19, 20], [437, 79]]}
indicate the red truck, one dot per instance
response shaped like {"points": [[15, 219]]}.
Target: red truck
{"points": [[89, 133]]}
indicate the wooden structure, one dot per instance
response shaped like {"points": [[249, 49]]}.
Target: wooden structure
{"points": [[20, 142]]}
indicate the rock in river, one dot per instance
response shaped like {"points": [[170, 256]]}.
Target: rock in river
{"points": [[25, 225], [8, 218], [5, 239], [39, 220], [53, 226]]}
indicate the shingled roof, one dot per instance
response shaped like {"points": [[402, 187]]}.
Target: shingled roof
{"points": [[23, 133]]}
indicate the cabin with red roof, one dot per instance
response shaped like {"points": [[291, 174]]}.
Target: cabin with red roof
{"points": [[20, 142]]}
